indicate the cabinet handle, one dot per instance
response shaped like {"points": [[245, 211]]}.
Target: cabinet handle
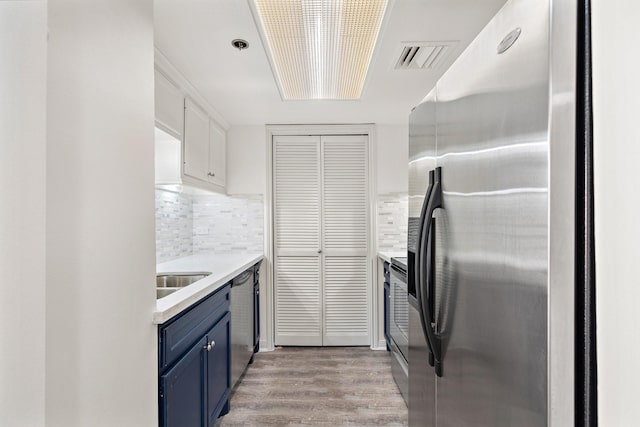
{"points": [[212, 343], [208, 346], [211, 174]]}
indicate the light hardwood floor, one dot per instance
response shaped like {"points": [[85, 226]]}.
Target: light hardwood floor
{"points": [[329, 386]]}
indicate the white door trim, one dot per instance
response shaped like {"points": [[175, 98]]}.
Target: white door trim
{"points": [[268, 332]]}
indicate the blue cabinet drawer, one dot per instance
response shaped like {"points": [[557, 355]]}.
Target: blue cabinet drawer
{"points": [[386, 272], [178, 334]]}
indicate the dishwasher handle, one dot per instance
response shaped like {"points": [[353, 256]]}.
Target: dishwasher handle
{"points": [[242, 278]]}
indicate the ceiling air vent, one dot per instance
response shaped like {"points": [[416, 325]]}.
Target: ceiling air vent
{"points": [[422, 55]]}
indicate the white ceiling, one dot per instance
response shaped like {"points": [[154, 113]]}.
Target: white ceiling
{"points": [[195, 35]]}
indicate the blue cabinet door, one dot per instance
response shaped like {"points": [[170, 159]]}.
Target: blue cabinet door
{"points": [[387, 312], [182, 390], [218, 355], [256, 318], [387, 305]]}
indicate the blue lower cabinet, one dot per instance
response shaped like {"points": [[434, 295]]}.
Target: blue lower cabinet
{"points": [[218, 369], [256, 308], [387, 313], [195, 363], [387, 301], [256, 318], [182, 390]]}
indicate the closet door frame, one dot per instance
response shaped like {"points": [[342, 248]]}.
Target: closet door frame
{"points": [[373, 297]]}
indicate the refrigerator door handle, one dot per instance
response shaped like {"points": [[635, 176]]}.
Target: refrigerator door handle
{"points": [[418, 263], [426, 269]]}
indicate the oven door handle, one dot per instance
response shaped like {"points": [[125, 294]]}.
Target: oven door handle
{"points": [[418, 263]]}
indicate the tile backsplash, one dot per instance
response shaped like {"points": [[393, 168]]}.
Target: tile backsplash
{"points": [[225, 224], [174, 225], [393, 214], [189, 224]]}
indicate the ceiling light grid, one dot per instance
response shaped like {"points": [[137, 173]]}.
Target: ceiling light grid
{"points": [[321, 49]]}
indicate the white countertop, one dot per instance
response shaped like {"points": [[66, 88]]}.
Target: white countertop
{"points": [[223, 268], [387, 255]]}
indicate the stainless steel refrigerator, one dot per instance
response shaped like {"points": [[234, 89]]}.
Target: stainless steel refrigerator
{"points": [[493, 213]]}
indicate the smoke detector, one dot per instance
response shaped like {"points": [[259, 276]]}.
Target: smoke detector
{"points": [[422, 55]]}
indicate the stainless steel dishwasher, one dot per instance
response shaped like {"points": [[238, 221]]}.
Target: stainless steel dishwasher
{"points": [[241, 323]]}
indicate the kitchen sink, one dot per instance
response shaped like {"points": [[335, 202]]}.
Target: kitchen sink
{"points": [[168, 283]]}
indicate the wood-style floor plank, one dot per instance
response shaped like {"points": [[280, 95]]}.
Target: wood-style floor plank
{"points": [[331, 386]]}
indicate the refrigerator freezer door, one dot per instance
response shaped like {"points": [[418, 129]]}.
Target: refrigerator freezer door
{"points": [[422, 159], [492, 233], [422, 150]]}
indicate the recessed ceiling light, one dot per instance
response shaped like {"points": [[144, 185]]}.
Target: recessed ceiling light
{"points": [[320, 49], [240, 44]]}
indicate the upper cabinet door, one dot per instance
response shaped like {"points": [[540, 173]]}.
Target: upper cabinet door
{"points": [[217, 154], [196, 141], [169, 105]]}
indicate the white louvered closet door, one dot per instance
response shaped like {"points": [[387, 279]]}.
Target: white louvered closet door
{"points": [[345, 237], [297, 185], [321, 225]]}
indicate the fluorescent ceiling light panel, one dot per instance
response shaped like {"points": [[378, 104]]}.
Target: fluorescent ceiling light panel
{"points": [[320, 49]]}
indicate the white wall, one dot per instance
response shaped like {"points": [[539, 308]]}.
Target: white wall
{"points": [[23, 26], [246, 159], [393, 158], [617, 149], [101, 362]]}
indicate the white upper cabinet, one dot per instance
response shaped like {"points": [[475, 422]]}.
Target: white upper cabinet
{"points": [[190, 145], [168, 158], [169, 105], [204, 146], [196, 141], [217, 154]]}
